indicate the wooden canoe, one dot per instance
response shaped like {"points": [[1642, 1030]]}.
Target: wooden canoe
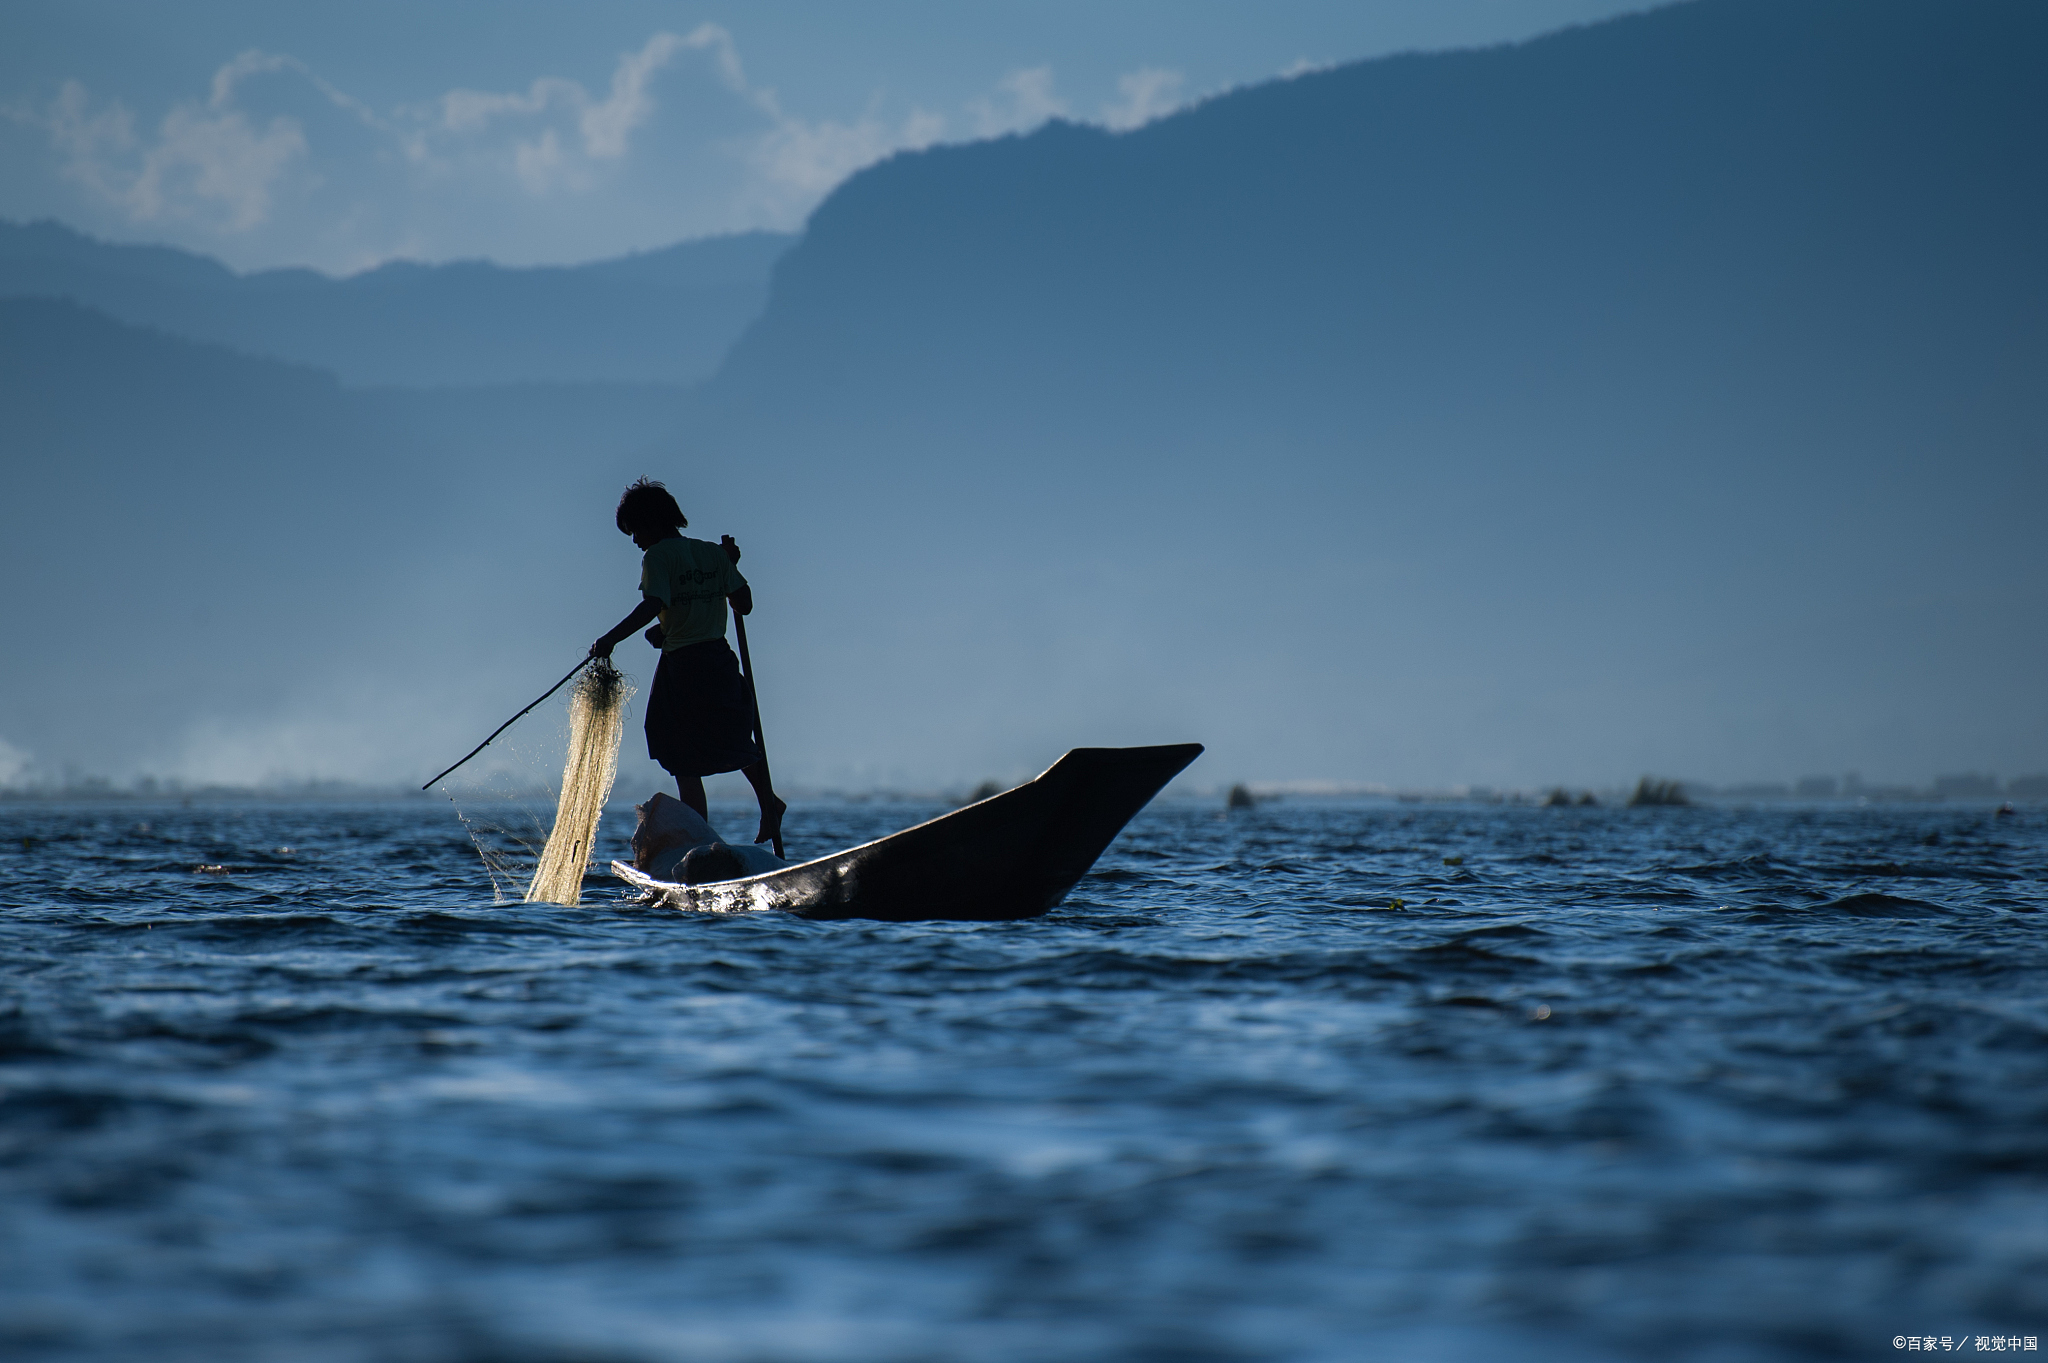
{"points": [[1013, 855]]}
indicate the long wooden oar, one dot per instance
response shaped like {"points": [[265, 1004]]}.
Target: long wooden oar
{"points": [[521, 715], [739, 624]]}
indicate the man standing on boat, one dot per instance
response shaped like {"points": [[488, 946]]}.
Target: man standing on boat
{"points": [[700, 719]]}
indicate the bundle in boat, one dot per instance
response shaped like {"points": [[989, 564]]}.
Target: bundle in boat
{"points": [[597, 720], [677, 844]]}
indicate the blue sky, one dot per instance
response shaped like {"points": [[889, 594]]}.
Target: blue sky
{"points": [[342, 136]]}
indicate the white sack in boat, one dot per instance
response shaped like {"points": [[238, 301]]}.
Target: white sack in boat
{"points": [[670, 829]]}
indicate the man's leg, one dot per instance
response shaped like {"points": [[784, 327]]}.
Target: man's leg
{"points": [[690, 790], [772, 807]]}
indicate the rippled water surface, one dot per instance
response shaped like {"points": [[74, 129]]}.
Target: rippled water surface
{"points": [[1313, 1081]]}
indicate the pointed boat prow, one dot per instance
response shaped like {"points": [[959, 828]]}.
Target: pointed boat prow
{"points": [[1013, 855]]}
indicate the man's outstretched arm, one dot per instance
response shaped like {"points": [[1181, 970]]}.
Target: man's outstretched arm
{"points": [[642, 613]]}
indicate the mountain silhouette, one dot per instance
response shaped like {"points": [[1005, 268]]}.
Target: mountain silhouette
{"points": [[663, 316], [1592, 395], [1699, 178]]}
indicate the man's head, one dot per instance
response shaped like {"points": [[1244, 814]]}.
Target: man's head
{"points": [[648, 513]]}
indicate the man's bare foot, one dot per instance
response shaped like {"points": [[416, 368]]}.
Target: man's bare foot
{"points": [[772, 810]]}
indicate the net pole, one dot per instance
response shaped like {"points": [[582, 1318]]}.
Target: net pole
{"points": [[510, 722], [739, 624]]}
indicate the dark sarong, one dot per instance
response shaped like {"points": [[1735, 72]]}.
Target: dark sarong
{"points": [[699, 721]]}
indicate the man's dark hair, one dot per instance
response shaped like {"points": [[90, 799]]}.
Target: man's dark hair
{"points": [[647, 503]]}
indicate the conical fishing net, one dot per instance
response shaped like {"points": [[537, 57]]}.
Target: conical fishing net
{"points": [[597, 718]]}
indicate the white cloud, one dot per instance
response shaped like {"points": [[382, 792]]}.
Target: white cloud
{"points": [[1022, 100], [1147, 94], [273, 164], [603, 127], [794, 162], [208, 161], [540, 163], [214, 158], [218, 163], [606, 125], [250, 63], [471, 111], [799, 161], [786, 166], [90, 142]]}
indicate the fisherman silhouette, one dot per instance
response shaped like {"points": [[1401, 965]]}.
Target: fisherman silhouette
{"points": [[700, 719]]}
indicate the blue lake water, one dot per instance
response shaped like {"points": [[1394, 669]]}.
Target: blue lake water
{"points": [[1670, 1084]]}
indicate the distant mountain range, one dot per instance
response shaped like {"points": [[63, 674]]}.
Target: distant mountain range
{"points": [[1666, 389], [1664, 395], [664, 316], [1816, 191], [222, 567]]}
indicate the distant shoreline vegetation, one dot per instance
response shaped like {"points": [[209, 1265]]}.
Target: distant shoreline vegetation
{"points": [[92, 791], [1651, 792], [33, 786]]}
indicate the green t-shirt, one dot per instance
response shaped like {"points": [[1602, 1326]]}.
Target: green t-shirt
{"points": [[691, 579]]}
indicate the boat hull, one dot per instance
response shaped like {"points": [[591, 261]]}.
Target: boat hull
{"points": [[1014, 855]]}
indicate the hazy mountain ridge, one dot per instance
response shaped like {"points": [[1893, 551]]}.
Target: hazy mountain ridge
{"points": [[230, 568], [664, 316]]}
